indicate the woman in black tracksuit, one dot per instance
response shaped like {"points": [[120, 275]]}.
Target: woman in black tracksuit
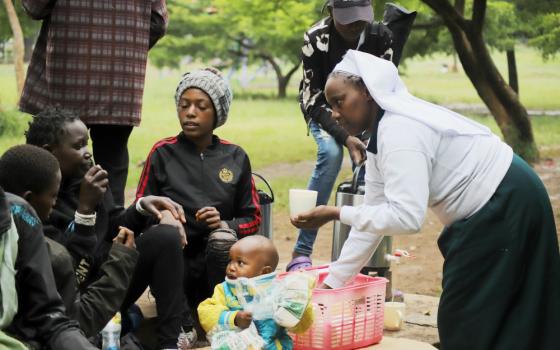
{"points": [[211, 178]]}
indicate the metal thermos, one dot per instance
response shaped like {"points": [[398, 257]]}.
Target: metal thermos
{"points": [[350, 194], [266, 200]]}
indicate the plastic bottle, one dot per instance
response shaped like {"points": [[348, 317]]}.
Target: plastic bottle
{"points": [[112, 334]]}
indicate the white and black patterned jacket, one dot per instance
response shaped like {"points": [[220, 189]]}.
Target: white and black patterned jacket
{"points": [[322, 49]]}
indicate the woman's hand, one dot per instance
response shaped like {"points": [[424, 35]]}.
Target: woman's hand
{"points": [[357, 149], [211, 217], [167, 218], [155, 205], [316, 217]]}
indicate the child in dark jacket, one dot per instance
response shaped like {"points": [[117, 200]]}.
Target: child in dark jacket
{"points": [[85, 209], [33, 173], [32, 310], [210, 177]]}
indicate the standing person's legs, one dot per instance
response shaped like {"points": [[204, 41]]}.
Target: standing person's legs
{"points": [[329, 161], [110, 150], [160, 266]]}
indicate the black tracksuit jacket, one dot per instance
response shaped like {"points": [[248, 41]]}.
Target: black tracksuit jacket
{"points": [[219, 177]]}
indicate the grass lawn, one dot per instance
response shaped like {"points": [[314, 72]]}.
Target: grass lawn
{"points": [[538, 79], [273, 131]]}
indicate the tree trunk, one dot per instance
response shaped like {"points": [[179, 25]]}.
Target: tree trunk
{"points": [[285, 80], [282, 87], [18, 45], [512, 70], [502, 101], [454, 68], [282, 79]]}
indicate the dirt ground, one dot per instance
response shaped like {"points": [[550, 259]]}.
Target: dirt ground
{"points": [[421, 275]]}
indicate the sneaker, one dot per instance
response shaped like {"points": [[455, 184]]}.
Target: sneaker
{"points": [[299, 263], [187, 340]]}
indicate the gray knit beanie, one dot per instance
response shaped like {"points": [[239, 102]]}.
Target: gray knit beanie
{"points": [[214, 85]]}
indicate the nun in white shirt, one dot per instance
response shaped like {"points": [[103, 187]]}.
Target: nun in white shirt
{"points": [[501, 276]]}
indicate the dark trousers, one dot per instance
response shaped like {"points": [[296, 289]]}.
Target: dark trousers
{"points": [[110, 150], [205, 267], [160, 266]]}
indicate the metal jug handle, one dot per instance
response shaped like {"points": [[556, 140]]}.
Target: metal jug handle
{"points": [[354, 187], [267, 184]]}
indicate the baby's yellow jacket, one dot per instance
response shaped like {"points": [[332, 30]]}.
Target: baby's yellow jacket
{"points": [[223, 306]]}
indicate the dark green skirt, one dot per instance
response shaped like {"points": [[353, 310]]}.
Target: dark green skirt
{"points": [[501, 276]]}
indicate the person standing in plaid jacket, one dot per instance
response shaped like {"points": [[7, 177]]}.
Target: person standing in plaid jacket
{"points": [[90, 58]]}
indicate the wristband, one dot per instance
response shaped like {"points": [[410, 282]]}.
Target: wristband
{"points": [[85, 219]]}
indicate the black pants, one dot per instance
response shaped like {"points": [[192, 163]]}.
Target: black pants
{"points": [[205, 267], [160, 266], [110, 150]]}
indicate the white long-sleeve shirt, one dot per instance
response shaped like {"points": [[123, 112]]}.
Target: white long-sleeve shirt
{"points": [[417, 168]]}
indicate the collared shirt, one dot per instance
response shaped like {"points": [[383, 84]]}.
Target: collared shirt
{"points": [[417, 168]]}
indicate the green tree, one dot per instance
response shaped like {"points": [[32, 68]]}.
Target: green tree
{"points": [[258, 30], [195, 30], [502, 30], [18, 43], [16, 25], [29, 27], [474, 27], [547, 34]]}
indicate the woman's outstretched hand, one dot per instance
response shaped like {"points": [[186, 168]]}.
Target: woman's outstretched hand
{"points": [[316, 217]]}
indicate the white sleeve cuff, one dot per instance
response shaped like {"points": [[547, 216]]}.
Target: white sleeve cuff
{"points": [[333, 281], [139, 208], [347, 214], [85, 219]]}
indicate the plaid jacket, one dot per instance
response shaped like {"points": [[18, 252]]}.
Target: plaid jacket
{"points": [[91, 56]]}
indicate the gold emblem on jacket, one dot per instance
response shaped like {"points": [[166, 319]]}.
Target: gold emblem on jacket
{"points": [[226, 175]]}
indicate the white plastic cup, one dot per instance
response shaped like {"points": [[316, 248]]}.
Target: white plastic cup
{"points": [[302, 201], [394, 315]]}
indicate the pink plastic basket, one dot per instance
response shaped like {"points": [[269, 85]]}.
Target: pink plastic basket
{"points": [[345, 318]]}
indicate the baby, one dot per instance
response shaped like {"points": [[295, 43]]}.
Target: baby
{"points": [[251, 295]]}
